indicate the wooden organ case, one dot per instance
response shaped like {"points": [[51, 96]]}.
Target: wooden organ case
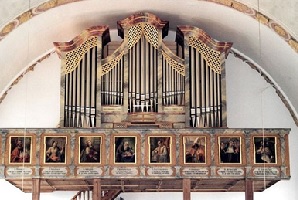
{"points": [[165, 101], [143, 80]]}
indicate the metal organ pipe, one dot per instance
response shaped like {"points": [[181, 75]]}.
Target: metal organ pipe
{"points": [[142, 69], [172, 82], [80, 92], [205, 92]]}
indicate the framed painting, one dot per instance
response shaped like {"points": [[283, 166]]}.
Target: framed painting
{"points": [[90, 149], [125, 149], [20, 149], [160, 149], [55, 150], [194, 149], [230, 149], [265, 149]]}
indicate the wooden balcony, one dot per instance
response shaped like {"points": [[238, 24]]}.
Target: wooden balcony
{"points": [[210, 171]]}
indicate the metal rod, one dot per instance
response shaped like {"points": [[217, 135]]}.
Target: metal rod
{"points": [[95, 88], [90, 86], [76, 98], [80, 93], [163, 80], [71, 98], [220, 101], [67, 83], [85, 86]]}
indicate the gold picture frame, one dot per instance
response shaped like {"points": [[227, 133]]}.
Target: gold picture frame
{"points": [[160, 150], [230, 149], [194, 149], [125, 149], [90, 149], [55, 149], [265, 150], [20, 149]]}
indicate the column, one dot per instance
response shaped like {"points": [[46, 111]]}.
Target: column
{"points": [[35, 188], [96, 189], [186, 189], [249, 190]]}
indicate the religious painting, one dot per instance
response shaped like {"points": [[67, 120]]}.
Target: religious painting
{"points": [[55, 149], [229, 150], [90, 149], [125, 149], [20, 149], [194, 149], [160, 149], [265, 150]]}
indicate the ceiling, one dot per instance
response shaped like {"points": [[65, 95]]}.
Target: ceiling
{"points": [[271, 43]]}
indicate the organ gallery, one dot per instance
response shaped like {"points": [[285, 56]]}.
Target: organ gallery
{"points": [[143, 114]]}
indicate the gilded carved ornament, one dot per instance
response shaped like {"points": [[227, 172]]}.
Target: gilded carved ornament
{"points": [[73, 58], [47, 5], [280, 31], [25, 16], [224, 2], [211, 56], [240, 7], [142, 29], [179, 67], [108, 66], [262, 18], [294, 44], [8, 28]]}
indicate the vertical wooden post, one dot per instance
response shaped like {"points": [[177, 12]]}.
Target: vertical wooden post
{"points": [[35, 188], [186, 189], [98, 83], [88, 195], [187, 81], [249, 190], [96, 189], [159, 72], [62, 92], [126, 75]]}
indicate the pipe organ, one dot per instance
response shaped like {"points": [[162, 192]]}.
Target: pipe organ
{"points": [[205, 56], [173, 79], [142, 68], [112, 78], [79, 77], [127, 92], [183, 87]]}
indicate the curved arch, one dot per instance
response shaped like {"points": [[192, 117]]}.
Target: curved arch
{"points": [[27, 69], [277, 28], [270, 81]]}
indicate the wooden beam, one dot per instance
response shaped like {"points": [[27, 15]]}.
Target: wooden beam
{"points": [[35, 188], [97, 189], [249, 190], [186, 189]]}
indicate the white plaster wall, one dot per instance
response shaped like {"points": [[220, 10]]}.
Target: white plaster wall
{"points": [[35, 100], [252, 103]]}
